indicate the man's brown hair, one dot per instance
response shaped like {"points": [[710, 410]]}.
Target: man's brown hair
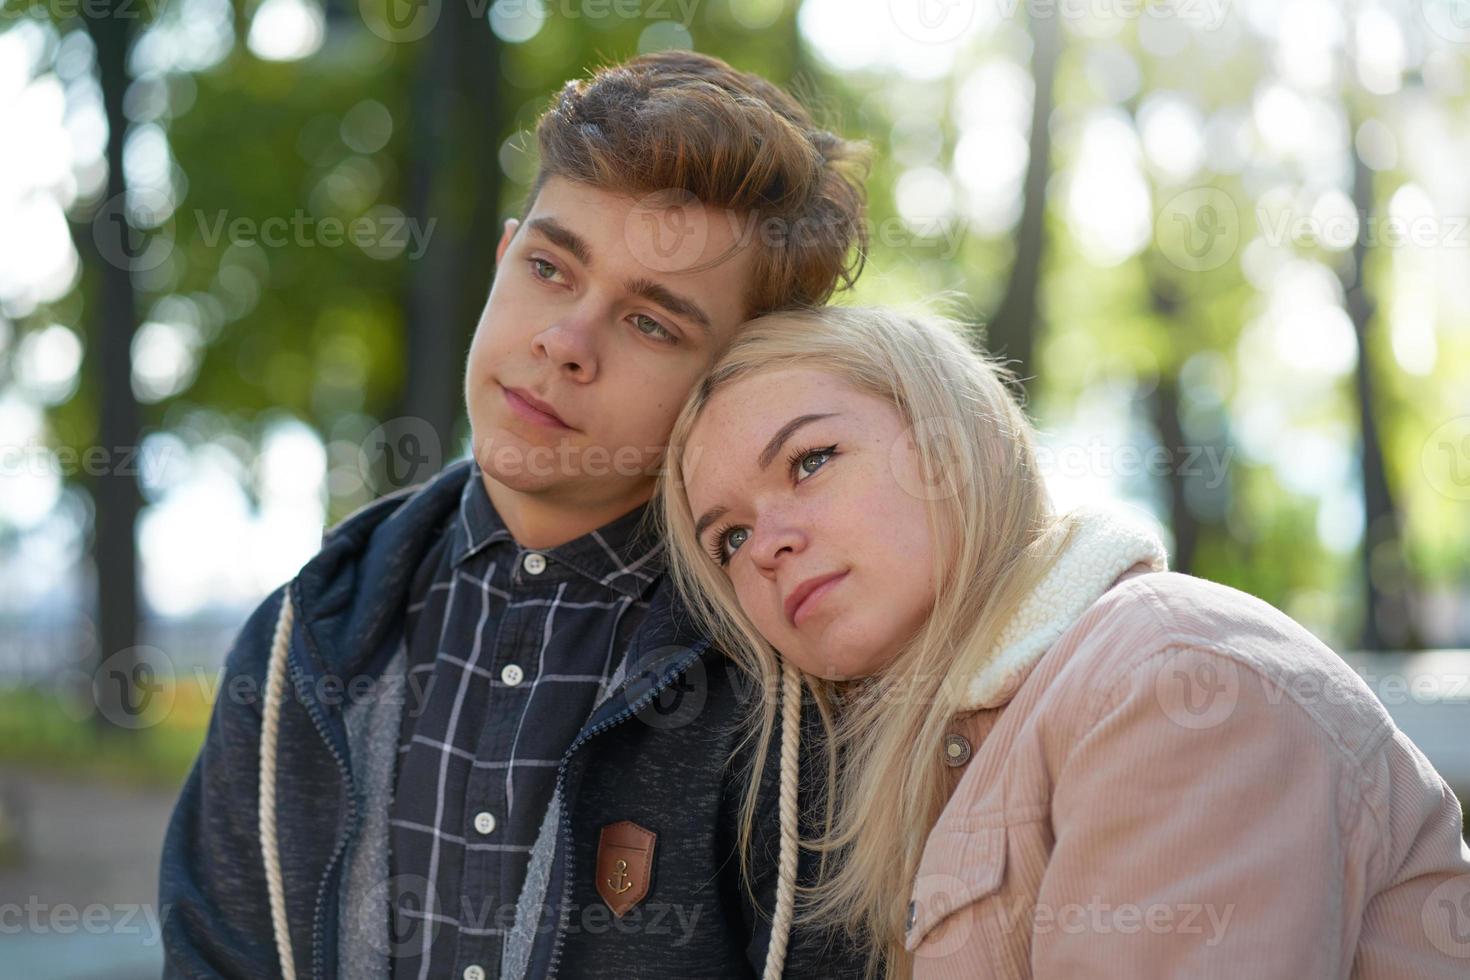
{"points": [[683, 123]]}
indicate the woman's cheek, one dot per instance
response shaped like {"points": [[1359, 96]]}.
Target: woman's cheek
{"points": [[744, 594]]}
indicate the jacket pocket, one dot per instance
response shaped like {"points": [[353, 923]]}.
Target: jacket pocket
{"points": [[963, 862]]}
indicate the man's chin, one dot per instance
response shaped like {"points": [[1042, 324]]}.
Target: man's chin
{"points": [[522, 481], [522, 467]]}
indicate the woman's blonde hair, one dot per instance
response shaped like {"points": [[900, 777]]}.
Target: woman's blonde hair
{"points": [[988, 509]]}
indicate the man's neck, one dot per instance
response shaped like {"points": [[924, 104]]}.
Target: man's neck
{"points": [[542, 523]]}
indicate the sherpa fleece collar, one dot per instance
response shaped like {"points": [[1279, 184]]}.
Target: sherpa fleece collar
{"points": [[1107, 543]]}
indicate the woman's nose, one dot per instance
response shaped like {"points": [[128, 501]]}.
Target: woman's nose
{"points": [[779, 540]]}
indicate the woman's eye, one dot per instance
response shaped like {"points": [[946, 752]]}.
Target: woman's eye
{"points": [[650, 327], [720, 548], [734, 539], [804, 462]]}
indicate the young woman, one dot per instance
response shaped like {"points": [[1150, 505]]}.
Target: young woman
{"points": [[1050, 756]]}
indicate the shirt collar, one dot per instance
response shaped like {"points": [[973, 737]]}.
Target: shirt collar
{"points": [[620, 555]]}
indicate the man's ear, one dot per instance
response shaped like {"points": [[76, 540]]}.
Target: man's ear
{"points": [[511, 224]]}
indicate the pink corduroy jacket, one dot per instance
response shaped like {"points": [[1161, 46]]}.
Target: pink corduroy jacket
{"points": [[1166, 777]]}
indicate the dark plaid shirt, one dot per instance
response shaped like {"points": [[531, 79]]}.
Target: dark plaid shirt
{"points": [[510, 649]]}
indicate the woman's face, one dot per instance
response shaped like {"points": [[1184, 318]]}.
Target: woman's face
{"points": [[794, 477]]}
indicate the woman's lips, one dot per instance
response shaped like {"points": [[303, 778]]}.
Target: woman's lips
{"points": [[804, 609]]}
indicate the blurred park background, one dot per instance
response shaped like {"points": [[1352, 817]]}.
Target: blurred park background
{"points": [[243, 245]]}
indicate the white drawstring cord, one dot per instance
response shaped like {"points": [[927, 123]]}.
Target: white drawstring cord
{"points": [[275, 683], [786, 863]]}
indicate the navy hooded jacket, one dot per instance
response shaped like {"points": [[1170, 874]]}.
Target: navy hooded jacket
{"points": [[659, 751]]}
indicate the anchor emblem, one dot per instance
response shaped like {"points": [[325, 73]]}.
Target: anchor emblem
{"points": [[620, 874], [625, 865]]}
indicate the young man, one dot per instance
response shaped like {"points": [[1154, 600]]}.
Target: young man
{"points": [[476, 737]]}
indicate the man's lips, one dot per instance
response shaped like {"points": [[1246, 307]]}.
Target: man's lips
{"points": [[532, 409], [813, 589]]}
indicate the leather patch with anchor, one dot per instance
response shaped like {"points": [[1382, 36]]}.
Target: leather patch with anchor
{"points": [[624, 865]]}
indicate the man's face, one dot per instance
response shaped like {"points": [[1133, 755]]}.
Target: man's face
{"points": [[605, 312]]}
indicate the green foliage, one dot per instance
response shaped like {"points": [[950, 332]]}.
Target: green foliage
{"points": [[40, 731]]}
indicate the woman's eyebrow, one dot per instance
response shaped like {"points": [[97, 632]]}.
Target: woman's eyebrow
{"points": [[769, 453], [710, 516], [785, 432]]}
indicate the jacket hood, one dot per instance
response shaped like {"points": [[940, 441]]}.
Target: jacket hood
{"points": [[349, 596]]}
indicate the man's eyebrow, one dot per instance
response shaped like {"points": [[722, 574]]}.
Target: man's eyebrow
{"points": [[562, 236], [669, 300], [769, 453]]}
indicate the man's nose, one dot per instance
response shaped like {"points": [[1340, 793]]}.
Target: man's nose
{"points": [[570, 343]]}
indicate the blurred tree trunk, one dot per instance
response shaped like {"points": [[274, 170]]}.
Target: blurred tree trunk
{"points": [[1164, 404], [1387, 614], [453, 181], [1011, 332], [1164, 408], [114, 319]]}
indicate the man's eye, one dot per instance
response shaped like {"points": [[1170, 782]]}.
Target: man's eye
{"points": [[650, 327], [542, 269]]}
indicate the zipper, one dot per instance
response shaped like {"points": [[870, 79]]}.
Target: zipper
{"points": [[564, 837], [319, 721]]}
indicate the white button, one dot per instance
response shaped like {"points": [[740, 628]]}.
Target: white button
{"points": [[474, 972], [511, 675], [484, 821], [534, 564]]}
